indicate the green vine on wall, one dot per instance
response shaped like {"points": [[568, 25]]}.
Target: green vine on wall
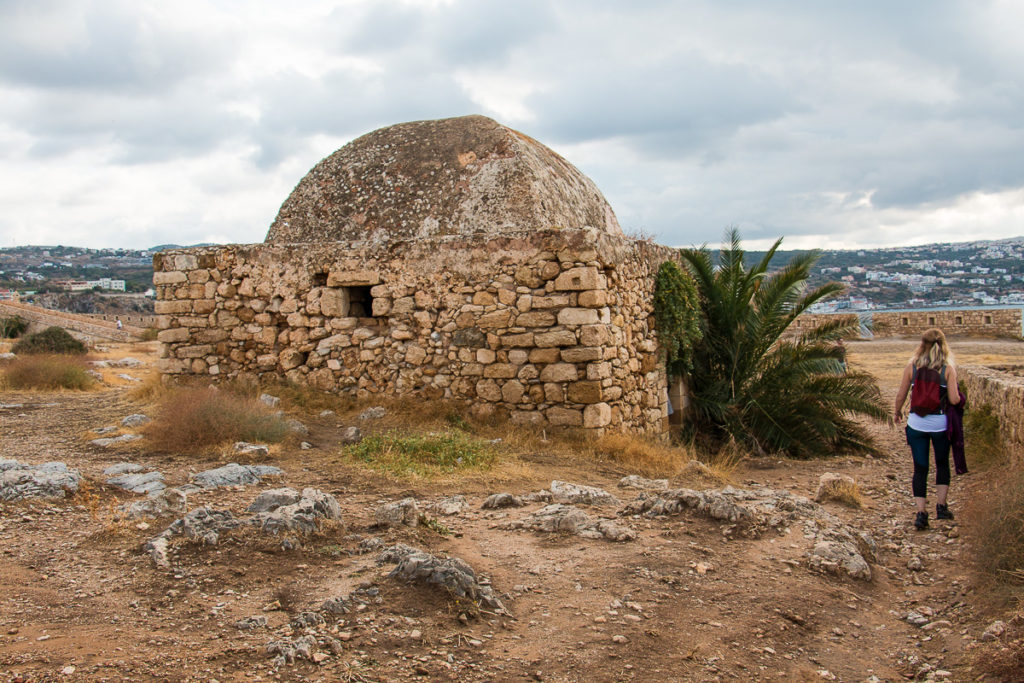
{"points": [[677, 314]]}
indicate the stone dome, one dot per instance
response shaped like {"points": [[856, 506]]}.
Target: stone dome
{"points": [[465, 175]]}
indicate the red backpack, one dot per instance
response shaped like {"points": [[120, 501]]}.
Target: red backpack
{"points": [[927, 396]]}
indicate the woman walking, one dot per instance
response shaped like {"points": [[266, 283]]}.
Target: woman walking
{"points": [[932, 375]]}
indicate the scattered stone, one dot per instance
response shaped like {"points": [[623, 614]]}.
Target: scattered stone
{"points": [[123, 468], [297, 427], [915, 618], [308, 620], [351, 435], [403, 512], [7, 355], [634, 481], [271, 401], [338, 605], [159, 504], [305, 445], [326, 413], [251, 623], [251, 448], [502, 500], [452, 505], [113, 441], [994, 631], [126, 362], [288, 650], [135, 420], [620, 639], [105, 430], [374, 413], [835, 547], [273, 499], [49, 480], [450, 573], [302, 516], [234, 474], [831, 483], [568, 519], [914, 564], [128, 378], [564, 492], [143, 482]]}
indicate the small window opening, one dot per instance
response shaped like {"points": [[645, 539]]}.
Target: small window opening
{"points": [[931, 320], [360, 302], [988, 320], [906, 321], [320, 279], [959, 320]]}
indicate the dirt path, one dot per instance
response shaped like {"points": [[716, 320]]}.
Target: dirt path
{"points": [[689, 599]]}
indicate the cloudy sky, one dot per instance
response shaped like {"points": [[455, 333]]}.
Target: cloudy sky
{"points": [[876, 123]]}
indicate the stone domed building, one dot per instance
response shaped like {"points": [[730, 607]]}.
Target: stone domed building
{"points": [[454, 259]]}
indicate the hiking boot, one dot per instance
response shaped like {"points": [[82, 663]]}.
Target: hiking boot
{"points": [[921, 520], [942, 511]]}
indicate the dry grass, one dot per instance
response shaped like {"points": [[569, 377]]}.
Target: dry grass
{"points": [[197, 418], [642, 456], [982, 441], [996, 525], [47, 372], [841, 491], [422, 455]]}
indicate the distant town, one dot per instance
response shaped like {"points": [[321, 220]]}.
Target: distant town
{"points": [[978, 273]]}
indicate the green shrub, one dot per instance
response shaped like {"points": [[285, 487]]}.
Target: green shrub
{"points": [[12, 327], [47, 372], [195, 418], [422, 454], [677, 313], [51, 340], [982, 442]]}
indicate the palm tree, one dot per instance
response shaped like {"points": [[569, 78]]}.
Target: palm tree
{"points": [[788, 395]]}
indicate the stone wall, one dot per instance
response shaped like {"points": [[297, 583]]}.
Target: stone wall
{"points": [[551, 328], [85, 324], [1004, 392], [981, 322]]}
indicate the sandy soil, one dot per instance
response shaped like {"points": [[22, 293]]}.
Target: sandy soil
{"points": [[81, 600]]}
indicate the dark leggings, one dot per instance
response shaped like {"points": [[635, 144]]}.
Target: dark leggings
{"points": [[919, 449]]}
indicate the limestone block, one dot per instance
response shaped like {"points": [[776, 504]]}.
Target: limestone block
{"points": [[483, 299], [403, 306], [559, 372], [548, 269], [226, 290], [598, 371], [169, 278], [362, 334], [196, 351], [527, 276], [529, 417], [526, 339], [546, 355], [423, 300], [595, 335], [488, 390], [423, 318], [528, 372], [500, 370], [524, 303], [205, 306], [352, 278], [485, 356], [512, 391], [536, 319], [597, 415], [291, 358], [172, 366], [555, 338], [564, 416], [227, 319], [211, 336], [593, 298], [334, 303], [171, 307], [586, 277], [554, 393], [506, 297], [585, 392], [176, 334], [185, 262], [495, 319], [473, 369], [581, 354], [199, 292], [557, 301], [297, 320], [574, 317], [199, 276], [415, 355], [266, 360]]}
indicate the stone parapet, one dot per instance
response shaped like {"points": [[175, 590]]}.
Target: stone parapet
{"points": [[85, 324], [550, 327], [1004, 393], [1003, 323]]}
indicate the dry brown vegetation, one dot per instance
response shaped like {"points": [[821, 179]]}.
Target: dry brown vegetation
{"points": [[190, 419], [47, 372]]}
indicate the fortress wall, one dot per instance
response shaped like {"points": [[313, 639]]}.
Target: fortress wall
{"points": [[986, 322], [1004, 393], [551, 328], [85, 324]]}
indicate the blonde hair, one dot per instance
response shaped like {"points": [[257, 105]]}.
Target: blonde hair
{"points": [[933, 352]]}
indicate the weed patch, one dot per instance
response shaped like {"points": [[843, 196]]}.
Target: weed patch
{"points": [[845, 492], [982, 441], [203, 417], [47, 372], [50, 341], [641, 455], [998, 532], [422, 455]]}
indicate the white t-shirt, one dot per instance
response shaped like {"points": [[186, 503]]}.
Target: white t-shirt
{"points": [[928, 423]]}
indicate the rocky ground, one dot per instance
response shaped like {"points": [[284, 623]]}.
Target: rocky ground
{"points": [[353, 576]]}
